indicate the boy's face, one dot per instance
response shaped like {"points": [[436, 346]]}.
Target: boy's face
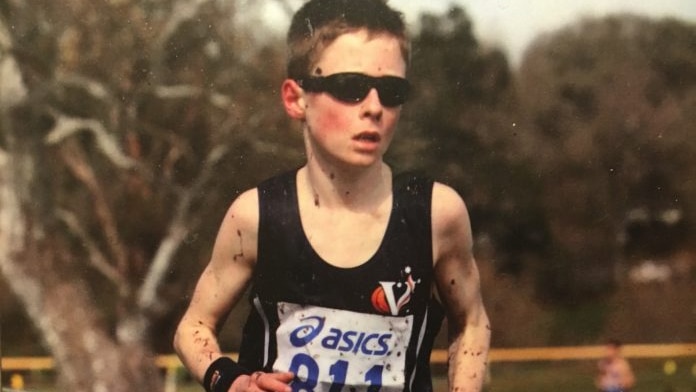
{"points": [[353, 134]]}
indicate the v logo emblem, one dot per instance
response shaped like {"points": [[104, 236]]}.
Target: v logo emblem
{"points": [[390, 297]]}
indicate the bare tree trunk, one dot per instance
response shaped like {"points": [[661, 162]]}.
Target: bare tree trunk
{"points": [[70, 136], [37, 267], [88, 357]]}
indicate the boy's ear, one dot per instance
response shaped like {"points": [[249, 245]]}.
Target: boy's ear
{"points": [[293, 99]]}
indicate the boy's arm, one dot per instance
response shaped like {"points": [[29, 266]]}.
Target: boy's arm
{"points": [[458, 286], [218, 290], [219, 287]]}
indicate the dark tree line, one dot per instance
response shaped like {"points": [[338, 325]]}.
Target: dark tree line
{"points": [[607, 101]]}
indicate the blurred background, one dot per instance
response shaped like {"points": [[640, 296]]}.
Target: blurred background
{"points": [[127, 127]]}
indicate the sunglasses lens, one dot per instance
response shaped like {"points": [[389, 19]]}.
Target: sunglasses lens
{"points": [[354, 87], [393, 91], [351, 88]]}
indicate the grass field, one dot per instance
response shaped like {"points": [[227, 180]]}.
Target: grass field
{"points": [[577, 376], [565, 376]]}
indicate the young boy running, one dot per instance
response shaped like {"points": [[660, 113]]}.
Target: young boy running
{"points": [[351, 269]]}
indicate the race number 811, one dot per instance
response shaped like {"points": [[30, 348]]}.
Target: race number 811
{"points": [[303, 364]]}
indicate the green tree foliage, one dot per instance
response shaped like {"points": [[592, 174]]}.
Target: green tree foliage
{"points": [[608, 104], [460, 126]]}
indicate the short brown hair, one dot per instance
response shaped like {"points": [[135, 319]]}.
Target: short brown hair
{"points": [[319, 22]]}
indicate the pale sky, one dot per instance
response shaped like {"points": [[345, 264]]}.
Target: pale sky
{"points": [[512, 24]]}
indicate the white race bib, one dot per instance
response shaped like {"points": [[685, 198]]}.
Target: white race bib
{"points": [[329, 348]]}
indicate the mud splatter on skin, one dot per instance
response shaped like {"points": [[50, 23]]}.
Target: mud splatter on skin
{"points": [[452, 289], [241, 247], [318, 71], [196, 338]]}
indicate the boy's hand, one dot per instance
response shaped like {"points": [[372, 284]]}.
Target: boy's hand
{"points": [[263, 382]]}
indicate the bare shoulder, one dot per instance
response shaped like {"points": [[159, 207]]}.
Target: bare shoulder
{"points": [[456, 273], [447, 203], [245, 210], [450, 220], [237, 237]]}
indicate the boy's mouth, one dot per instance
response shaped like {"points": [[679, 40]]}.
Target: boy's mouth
{"points": [[368, 137]]}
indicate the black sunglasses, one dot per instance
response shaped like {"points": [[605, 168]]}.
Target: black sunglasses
{"points": [[353, 87]]}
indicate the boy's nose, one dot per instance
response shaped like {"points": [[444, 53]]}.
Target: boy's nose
{"points": [[371, 105]]}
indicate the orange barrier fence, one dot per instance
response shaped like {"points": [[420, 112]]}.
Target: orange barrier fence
{"points": [[171, 361]]}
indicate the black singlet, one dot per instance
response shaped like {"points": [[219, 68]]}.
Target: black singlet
{"points": [[367, 328]]}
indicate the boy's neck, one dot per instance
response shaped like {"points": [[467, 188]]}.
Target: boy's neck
{"points": [[331, 187]]}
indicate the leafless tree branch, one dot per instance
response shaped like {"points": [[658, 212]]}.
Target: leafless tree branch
{"points": [[73, 156], [12, 88], [188, 91], [66, 126], [11, 226], [182, 11], [93, 87], [5, 38], [96, 257], [179, 228]]}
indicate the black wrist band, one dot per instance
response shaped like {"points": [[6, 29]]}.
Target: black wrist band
{"points": [[221, 374]]}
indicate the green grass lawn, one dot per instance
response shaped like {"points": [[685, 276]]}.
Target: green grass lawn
{"points": [[577, 376], [563, 376]]}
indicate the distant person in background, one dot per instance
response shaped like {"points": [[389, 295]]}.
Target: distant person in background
{"points": [[615, 373]]}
